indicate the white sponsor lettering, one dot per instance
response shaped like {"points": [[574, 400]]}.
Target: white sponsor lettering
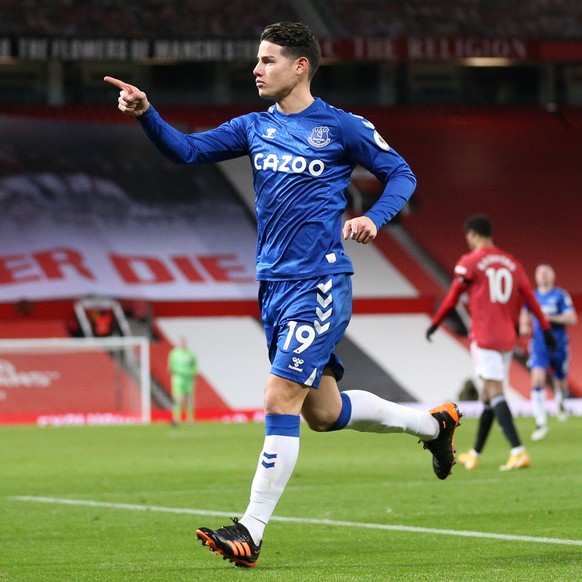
{"points": [[288, 163], [81, 419], [10, 377], [490, 259]]}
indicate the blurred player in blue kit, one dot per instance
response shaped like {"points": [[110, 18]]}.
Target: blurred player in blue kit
{"points": [[557, 305], [302, 153]]}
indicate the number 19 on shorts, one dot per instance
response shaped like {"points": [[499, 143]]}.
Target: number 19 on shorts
{"points": [[303, 334]]}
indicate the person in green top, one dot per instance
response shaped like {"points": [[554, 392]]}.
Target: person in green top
{"points": [[183, 369]]}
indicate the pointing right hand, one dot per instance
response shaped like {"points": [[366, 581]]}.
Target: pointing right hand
{"points": [[131, 101]]}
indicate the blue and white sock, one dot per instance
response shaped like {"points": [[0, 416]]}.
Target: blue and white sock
{"points": [[275, 466], [367, 412], [538, 405], [559, 396]]}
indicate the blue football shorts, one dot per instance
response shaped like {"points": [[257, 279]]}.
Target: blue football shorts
{"points": [[304, 321], [557, 362]]}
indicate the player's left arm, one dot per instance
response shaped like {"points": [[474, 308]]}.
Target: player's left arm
{"points": [[567, 315], [568, 318], [366, 147]]}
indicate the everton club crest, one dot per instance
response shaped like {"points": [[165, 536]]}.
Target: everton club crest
{"points": [[319, 137]]}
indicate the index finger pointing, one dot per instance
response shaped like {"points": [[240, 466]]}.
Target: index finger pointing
{"points": [[119, 84], [346, 230]]}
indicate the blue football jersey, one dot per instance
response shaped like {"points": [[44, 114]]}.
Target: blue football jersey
{"points": [[554, 302], [301, 166]]}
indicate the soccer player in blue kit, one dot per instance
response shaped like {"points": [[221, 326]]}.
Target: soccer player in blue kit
{"points": [[557, 305], [302, 152]]}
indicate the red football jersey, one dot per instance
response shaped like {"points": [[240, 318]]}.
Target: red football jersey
{"points": [[497, 288]]}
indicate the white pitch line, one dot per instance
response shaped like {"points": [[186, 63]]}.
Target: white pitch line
{"points": [[328, 522]]}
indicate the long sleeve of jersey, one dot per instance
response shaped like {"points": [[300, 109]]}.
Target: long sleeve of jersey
{"points": [[371, 151], [400, 186], [222, 143], [457, 288]]}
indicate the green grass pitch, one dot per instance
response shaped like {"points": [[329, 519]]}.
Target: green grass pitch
{"points": [[358, 507]]}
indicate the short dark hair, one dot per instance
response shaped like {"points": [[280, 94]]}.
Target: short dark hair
{"points": [[480, 224], [296, 40]]}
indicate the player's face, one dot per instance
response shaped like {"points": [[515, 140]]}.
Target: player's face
{"points": [[545, 276], [275, 75]]}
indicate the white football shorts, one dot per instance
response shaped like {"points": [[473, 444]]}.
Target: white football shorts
{"points": [[491, 364]]}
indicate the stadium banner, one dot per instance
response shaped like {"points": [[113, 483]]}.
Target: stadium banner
{"points": [[88, 209], [47, 389], [40, 269], [368, 49]]}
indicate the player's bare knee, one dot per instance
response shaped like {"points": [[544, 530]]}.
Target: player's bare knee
{"points": [[318, 424], [318, 420]]}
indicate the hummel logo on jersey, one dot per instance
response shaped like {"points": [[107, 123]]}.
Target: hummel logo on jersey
{"points": [[319, 137], [270, 133]]}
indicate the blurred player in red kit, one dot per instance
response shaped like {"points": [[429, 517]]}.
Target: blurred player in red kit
{"points": [[497, 287]]}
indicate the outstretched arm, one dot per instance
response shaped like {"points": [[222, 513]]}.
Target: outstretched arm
{"points": [[222, 143], [132, 101]]}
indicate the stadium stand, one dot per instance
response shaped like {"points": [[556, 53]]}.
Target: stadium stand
{"points": [[33, 328], [536, 19], [149, 19], [540, 19]]}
